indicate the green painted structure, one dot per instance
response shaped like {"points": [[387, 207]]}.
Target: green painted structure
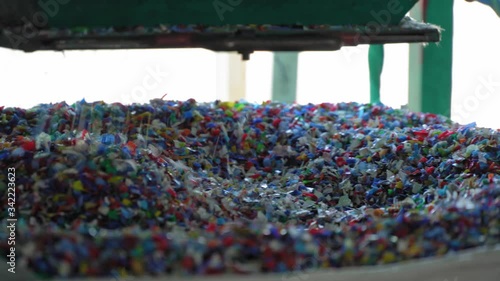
{"points": [[430, 84], [430, 69], [376, 65], [438, 60], [105, 13], [430, 81]]}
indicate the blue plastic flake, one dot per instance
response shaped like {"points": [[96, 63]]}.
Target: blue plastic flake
{"points": [[4, 154]]}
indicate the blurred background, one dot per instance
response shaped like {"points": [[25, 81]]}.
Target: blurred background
{"points": [[136, 76]]}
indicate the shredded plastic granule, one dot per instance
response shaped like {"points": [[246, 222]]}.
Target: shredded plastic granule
{"points": [[187, 188]]}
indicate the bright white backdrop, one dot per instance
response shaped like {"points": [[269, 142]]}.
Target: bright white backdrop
{"points": [[137, 76]]}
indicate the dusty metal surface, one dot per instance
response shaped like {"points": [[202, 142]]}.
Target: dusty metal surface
{"points": [[220, 25], [242, 39]]}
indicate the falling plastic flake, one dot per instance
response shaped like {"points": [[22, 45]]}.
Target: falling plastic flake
{"points": [[187, 188]]}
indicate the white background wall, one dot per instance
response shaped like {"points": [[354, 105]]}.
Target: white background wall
{"points": [[117, 76]]}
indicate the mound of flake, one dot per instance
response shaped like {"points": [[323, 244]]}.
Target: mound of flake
{"points": [[187, 188]]}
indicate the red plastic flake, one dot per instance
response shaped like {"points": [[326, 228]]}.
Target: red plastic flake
{"points": [[340, 161], [376, 110], [421, 135], [84, 133], [29, 145], [276, 122], [215, 132], [445, 135], [172, 193], [274, 112], [228, 241], [310, 195], [187, 262]]}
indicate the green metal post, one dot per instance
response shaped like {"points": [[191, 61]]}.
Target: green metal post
{"points": [[437, 62], [285, 77], [376, 65]]}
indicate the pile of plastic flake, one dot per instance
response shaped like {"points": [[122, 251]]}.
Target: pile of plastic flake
{"points": [[188, 188]]}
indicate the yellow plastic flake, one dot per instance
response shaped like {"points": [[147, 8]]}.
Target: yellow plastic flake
{"points": [[197, 116], [349, 256], [380, 226], [89, 205], [126, 202], [123, 272], [84, 268], [413, 251], [302, 157], [365, 259], [227, 104], [388, 257], [115, 179], [58, 197], [78, 186], [246, 146], [137, 267], [442, 251]]}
